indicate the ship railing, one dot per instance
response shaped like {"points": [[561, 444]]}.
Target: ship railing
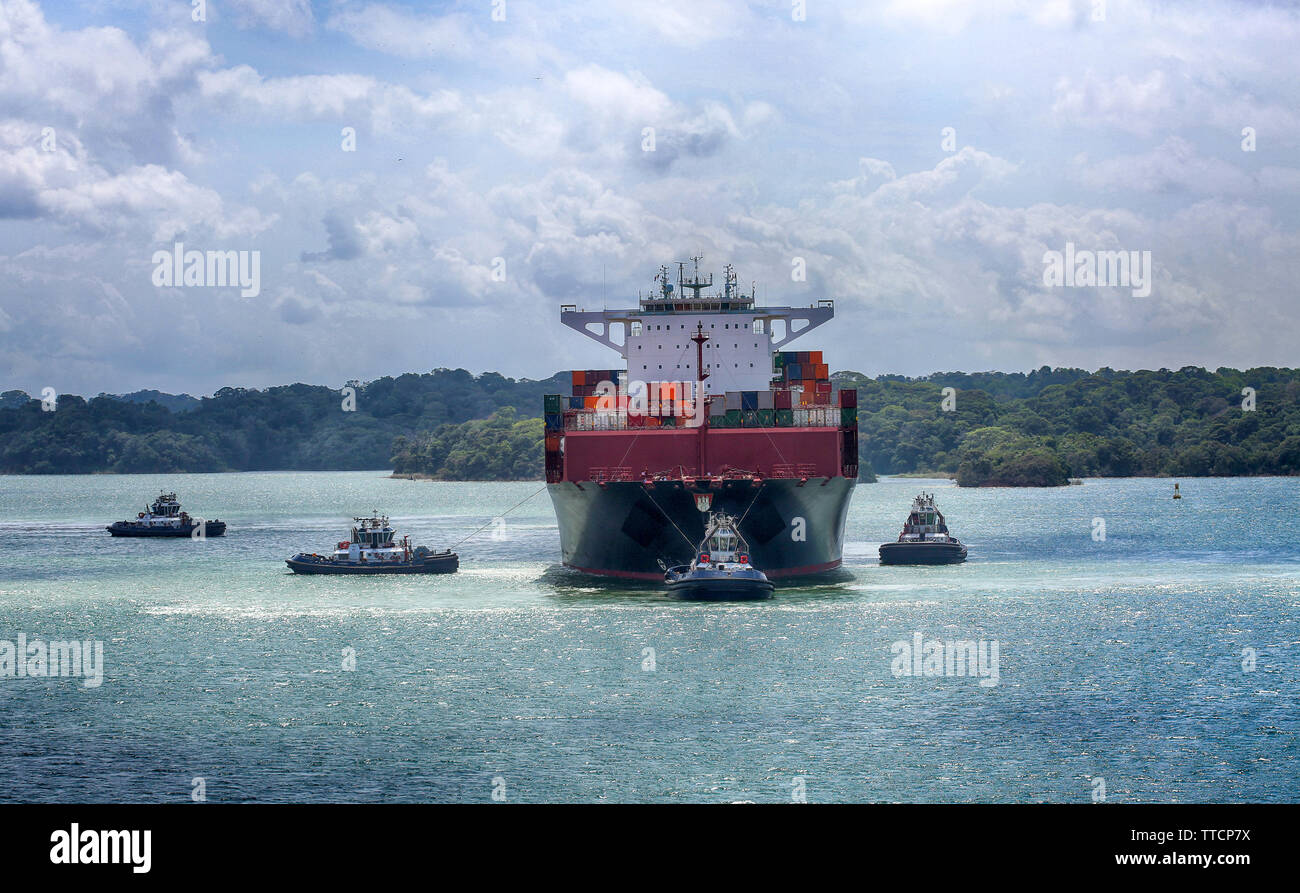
{"points": [[611, 473], [616, 420], [794, 470]]}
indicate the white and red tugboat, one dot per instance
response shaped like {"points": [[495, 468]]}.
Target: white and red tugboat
{"points": [[721, 569], [925, 538], [165, 518], [372, 550]]}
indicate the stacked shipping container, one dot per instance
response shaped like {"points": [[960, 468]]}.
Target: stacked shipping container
{"points": [[803, 373], [806, 401]]}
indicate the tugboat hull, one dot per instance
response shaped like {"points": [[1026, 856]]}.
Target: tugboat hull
{"points": [[434, 564], [922, 553], [121, 528], [720, 588]]}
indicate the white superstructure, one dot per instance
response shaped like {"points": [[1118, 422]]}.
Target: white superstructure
{"points": [[660, 339]]}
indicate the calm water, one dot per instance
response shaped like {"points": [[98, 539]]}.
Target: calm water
{"points": [[1119, 659]]}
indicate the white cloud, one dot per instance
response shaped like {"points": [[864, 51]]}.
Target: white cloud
{"points": [[1135, 105], [377, 26], [293, 17], [339, 97], [67, 186]]}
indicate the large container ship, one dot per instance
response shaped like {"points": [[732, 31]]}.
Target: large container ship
{"points": [[709, 413]]}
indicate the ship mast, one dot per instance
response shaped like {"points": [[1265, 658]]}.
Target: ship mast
{"points": [[695, 284], [699, 338]]}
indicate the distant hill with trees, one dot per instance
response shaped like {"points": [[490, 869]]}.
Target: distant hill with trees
{"points": [[1009, 429], [296, 426]]}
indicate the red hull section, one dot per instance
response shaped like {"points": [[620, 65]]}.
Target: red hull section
{"points": [[770, 452]]}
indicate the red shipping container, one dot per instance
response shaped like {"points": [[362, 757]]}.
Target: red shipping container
{"points": [[822, 398], [824, 387], [781, 400], [849, 398]]}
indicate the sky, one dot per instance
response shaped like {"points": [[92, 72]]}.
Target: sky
{"points": [[423, 185]]}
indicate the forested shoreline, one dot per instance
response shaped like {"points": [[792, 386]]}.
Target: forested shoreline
{"points": [[985, 429]]}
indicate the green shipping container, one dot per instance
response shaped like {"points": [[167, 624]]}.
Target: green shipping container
{"points": [[552, 402], [784, 418], [849, 418], [733, 418], [766, 418], [717, 421], [749, 418], [779, 360]]}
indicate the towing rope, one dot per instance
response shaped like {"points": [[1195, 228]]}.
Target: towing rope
{"points": [[507, 511], [669, 517]]}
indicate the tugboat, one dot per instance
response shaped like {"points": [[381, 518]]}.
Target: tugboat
{"points": [[372, 550], [925, 538], [721, 569], [165, 518]]}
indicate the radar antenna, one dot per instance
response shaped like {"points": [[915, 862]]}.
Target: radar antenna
{"points": [[696, 283]]}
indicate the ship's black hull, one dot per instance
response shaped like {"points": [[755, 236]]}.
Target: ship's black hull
{"points": [[120, 528], [625, 529], [922, 553]]}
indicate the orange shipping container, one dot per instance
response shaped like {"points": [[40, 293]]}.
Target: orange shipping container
{"points": [[815, 357], [579, 378]]}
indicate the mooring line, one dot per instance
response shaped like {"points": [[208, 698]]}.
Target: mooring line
{"points": [[507, 511]]}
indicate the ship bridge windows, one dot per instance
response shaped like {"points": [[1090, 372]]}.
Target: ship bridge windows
{"points": [[722, 541]]}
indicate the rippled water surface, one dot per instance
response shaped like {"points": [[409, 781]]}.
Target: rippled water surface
{"points": [[1125, 659]]}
